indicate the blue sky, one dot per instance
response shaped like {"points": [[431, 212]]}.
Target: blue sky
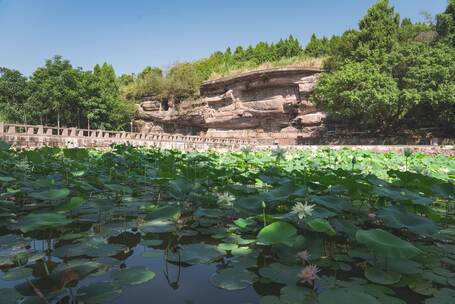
{"points": [[131, 34]]}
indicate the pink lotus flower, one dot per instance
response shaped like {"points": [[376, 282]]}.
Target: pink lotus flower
{"points": [[304, 256], [309, 274], [372, 216]]}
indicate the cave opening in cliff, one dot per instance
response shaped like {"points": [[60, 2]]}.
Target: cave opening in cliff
{"points": [[164, 105]]}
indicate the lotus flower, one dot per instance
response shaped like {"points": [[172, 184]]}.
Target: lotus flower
{"points": [[309, 274], [302, 210], [304, 256], [226, 199]]}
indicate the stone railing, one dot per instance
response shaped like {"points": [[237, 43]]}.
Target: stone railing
{"points": [[31, 136]]}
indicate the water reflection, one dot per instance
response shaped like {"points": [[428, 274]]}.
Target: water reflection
{"points": [[175, 282]]}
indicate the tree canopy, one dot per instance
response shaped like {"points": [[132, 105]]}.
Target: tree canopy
{"points": [[59, 93], [391, 74]]}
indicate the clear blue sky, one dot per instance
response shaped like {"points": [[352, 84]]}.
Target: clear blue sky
{"points": [[131, 34]]}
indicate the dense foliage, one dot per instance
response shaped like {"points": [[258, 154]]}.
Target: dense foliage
{"points": [[416, 62], [184, 79], [59, 93], [305, 227]]}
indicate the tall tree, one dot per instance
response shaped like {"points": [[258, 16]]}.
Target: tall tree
{"points": [[56, 91], [379, 28], [14, 91], [446, 23]]}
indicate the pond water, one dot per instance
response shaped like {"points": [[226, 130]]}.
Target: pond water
{"points": [[173, 283]]}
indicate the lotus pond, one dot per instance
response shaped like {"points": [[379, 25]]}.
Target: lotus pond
{"points": [[132, 225]]}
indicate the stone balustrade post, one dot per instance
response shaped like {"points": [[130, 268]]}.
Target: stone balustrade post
{"points": [[12, 129], [40, 130], [2, 126]]}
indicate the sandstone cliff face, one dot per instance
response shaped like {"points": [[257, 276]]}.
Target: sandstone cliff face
{"points": [[271, 103]]}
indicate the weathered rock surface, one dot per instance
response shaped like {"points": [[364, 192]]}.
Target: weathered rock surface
{"points": [[272, 103]]}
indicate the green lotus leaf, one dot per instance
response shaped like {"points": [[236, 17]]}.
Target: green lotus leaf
{"points": [[442, 296], [447, 190], [277, 233], [295, 294], [42, 221], [210, 213], [17, 274], [4, 146], [197, 254], [322, 226], [93, 247], [233, 279], [71, 205], [346, 296], [133, 276], [227, 246], [158, 226], [402, 195], [7, 179], [119, 188], [331, 202], [399, 218], [99, 292], [382, 277], [404, 266], [280, 273], [245, 223], [171, 212], [9, 295], [51, 195], [270, 300], [385, 244]]}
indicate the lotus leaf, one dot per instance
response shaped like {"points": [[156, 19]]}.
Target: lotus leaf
{"points": [[280, 273], [386, 244], [321, 225], [346, 296], [99, 292], [51, 195], [233, 279], [398, 217], [42, 221], [197, 254], [277, 233], [380, 276], [133, 276]]}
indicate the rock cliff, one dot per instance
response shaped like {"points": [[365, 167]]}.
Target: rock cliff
{"points": [[271, 104]]}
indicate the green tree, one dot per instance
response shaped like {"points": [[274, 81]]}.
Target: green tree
{"points": [[318, 47], [379, 28], [445, 23], [361, 94], [183, 82], [14, 92], [56, 92]]}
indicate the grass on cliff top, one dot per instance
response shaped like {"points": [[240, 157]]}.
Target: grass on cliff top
{"points": [[249, 66]]}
